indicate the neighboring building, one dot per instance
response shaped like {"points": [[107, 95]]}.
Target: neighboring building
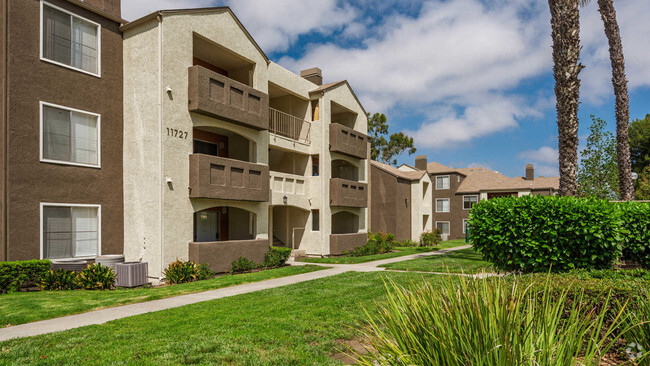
{"points": [[453, 193], [61, 129], [227, 153]]}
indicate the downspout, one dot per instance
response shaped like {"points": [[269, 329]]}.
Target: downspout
{"points": [[325, 205], [5, 124], [160, 129]]}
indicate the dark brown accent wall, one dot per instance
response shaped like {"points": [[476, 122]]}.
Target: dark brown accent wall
{"points": [[348, 141], [230, 179], [31, 181], [390, 204], [348, 193], [110, 6], [3, 127], [220, 255], [340, 243], [457, 213]]}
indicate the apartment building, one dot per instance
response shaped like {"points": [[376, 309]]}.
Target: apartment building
{"points": [[453, 192], [226, 152], [61, 192]]}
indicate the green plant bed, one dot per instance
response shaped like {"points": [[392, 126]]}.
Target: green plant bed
{"points": [[397, 252], [460, 261], [25, 307]]}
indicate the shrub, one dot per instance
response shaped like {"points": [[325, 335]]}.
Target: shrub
{"points": [[96, 277], [635, 217], [535, 233], [276, 257], [60, 280], [180, 271], [409, 243], [430, 238], [438, 324], [243, 264], [378, 243], [203, 272], [14, 275]]}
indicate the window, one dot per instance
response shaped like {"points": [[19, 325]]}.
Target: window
{"points": [[469, 201], [69, 40], [70, 231], [442, 205], [315, 218], [443, 226], [69, 136], [465, 221], [442, 182]]}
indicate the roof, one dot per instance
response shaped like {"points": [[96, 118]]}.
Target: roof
{"points": [[217, 9], [328, 86], [97, 11], [436, 168], [408, 175], [482, 179]]}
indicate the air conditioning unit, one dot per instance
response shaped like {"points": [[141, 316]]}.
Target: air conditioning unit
{"points": [[131, 274]]}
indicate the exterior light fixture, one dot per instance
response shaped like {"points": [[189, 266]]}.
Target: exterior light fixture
{"points": [[284, 200]]}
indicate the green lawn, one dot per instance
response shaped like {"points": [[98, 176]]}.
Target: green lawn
{"points": [[302, 324], [399, 252], [461, 261], [25, 307]]}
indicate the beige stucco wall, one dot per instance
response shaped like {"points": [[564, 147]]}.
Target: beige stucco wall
{"points": [[421, 205]]}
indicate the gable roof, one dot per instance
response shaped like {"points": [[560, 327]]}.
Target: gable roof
{"points": [[218, 9], [437, 168], [482, 179], [408, 175], [325, 87]]}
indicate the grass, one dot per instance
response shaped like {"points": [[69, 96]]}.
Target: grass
{"points": [[399, 252], [301, 324], [25, 307], [460, 261]]}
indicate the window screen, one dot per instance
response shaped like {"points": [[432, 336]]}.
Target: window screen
{"points": [[70, 136], [70, 232], [70, 40]]}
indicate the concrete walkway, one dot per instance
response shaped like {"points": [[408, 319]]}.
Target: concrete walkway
{"points": [[119, 312]]}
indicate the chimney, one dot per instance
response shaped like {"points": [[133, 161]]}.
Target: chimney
{"points": [[315, 75], [421, 162], [530, 172]]}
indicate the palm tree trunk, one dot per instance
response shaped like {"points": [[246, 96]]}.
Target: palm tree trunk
{"points": [[565, 32], [608, 14]]}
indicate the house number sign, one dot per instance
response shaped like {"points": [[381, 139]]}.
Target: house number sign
{"points": [[177, 133]]}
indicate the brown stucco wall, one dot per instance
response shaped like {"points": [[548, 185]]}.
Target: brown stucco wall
{"points": [[355, 195], [340, 243], [390, 204], [110, 6], [348, 141], [220, 255], [217, 177], [3, 145], [456, 214], [31, 182]]}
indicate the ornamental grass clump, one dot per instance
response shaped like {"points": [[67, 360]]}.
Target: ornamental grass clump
{"points": [[638, 337], [465, 321]]}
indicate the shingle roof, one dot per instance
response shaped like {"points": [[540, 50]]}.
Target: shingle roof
{"points": [[482, 179], [435, 168], [408, 175]]}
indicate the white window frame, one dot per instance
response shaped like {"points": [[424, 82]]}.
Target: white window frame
{"points": [[99, 41], [465, 221], [443, 222], [443, 199], [448, 180], [470, 195], [63, 162], [99, 226]]}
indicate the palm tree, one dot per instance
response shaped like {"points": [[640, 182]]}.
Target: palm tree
{"points": [[565, 32], [613, 33]]}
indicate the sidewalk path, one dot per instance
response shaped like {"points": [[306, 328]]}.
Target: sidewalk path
{"points": [[114, 313]]}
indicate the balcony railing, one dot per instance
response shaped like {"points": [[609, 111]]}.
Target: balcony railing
{"points": [[340, 243], [215, 95], [229, 179], [348, 141], [284, 124], [348, 193], [294, 187]]}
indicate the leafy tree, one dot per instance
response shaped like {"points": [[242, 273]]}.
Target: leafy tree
{"points": [[640, 143], [388, 150], [565, 33], [598, 170], [643, 184]]}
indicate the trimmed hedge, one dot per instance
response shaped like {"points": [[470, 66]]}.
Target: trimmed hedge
{"points": [[14, 275], [378, 243], [635, 217], [538, 233], [276, 257]]}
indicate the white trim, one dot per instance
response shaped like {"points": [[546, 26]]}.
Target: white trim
{"points": [[63, 162], [99, 41], [470, 195], [448, 180], [465, 225], [448, 206], [443, 222], [99, 225]]}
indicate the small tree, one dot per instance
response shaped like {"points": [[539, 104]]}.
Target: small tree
{"points": [[640, 143], [598, 171], [643, 185], [387, 150]]}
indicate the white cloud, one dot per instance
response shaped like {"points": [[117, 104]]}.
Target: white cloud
{"points": [[547, 171], [544, 154]]}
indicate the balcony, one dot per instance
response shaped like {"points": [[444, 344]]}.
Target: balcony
{"points": [[212, 94], [294, 187], [286, 125], [348, 193], [348, 141], [340, 243], [219, 255], [229, 179]]}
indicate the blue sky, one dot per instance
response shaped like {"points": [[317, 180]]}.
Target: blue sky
{"points": [[470, 80]]}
